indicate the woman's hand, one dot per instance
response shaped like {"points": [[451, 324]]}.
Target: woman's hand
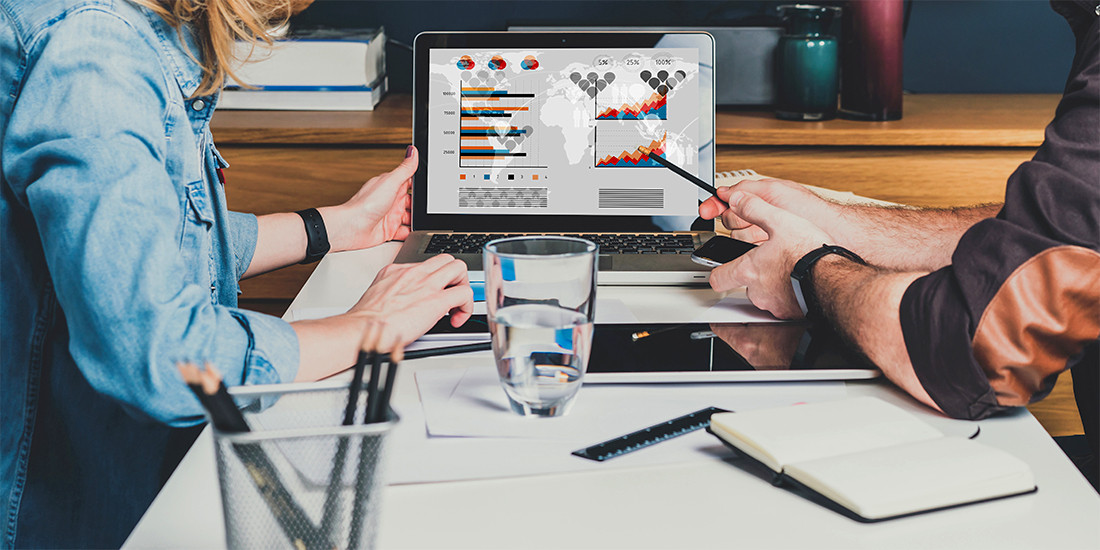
{"points": [[377, 213], [409, 298], [402, 303]]}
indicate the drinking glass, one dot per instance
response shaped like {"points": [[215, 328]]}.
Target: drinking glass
{"points": [[540, 294]]}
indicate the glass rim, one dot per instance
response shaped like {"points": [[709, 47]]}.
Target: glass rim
{"points": [[590, 247]]}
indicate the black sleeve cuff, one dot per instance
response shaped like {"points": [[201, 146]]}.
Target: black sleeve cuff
{"points": [[936, 328]]}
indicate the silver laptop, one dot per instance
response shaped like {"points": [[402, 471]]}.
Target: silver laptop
{"points": [[538, 132]]}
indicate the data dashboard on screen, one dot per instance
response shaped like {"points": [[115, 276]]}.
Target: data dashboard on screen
{"points": [[558, 131]]}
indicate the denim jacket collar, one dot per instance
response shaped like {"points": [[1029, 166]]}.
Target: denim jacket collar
{"points": [[174, 44]]}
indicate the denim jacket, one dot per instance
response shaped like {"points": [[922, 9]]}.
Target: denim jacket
{"points": [[119, 259]]}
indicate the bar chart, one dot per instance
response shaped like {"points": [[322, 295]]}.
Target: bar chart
{"points": [[496, 127]]}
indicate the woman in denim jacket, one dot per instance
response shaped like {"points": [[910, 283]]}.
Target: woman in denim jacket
{"points": [[120, 257]]}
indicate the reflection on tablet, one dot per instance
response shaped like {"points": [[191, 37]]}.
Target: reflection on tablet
{"points": [[734, 352], [702, 352]]}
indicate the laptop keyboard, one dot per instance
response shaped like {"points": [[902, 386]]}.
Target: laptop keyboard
{"points": [[609, 243]]}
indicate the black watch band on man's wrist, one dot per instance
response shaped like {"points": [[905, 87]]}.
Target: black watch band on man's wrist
{"points": [[801, 279], [316, 236]]}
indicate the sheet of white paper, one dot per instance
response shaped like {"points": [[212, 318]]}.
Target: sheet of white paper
{"points": [[610, 310], [306, 313], [471, 403], [735, 309], [602, 412]]}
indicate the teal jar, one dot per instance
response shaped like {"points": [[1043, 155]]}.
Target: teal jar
{"points": [[807, 61]]}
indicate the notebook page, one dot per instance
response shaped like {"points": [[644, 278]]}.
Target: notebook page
{"points": [[916, 476], [799, 433]]}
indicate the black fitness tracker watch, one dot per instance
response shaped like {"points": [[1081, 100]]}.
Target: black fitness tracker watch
{"points": [[316, 236], [801, 280]]}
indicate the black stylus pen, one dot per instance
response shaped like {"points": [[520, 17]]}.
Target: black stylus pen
{"points": [[449, 350], [683, 173]]}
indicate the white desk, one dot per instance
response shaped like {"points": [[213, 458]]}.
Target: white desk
{"points": [[701, 504]]}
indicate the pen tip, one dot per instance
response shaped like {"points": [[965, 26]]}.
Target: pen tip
{"points": [[644, 150]]}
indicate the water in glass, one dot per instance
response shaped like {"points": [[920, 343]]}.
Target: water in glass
{"points": [[541, 354]]}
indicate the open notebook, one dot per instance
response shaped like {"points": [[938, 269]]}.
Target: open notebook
{"points": [[871, 460]]}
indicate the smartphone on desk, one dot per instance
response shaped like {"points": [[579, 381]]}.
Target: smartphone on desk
{"points": [[720, 250]]}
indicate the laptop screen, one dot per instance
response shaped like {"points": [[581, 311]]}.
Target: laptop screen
{"points": [[541, 131]]}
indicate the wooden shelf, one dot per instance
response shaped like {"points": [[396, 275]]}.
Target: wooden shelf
{"points": [[931, 120], [389, 124]]}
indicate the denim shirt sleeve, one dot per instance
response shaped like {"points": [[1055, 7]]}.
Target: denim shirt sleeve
{"points": [[243, 231], [87, 149]]}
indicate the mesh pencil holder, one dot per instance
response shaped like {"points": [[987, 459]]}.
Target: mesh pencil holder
{"points": [[299, 479]]}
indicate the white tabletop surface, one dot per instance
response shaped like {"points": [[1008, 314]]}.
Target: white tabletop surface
{"points": [[704, 503]]}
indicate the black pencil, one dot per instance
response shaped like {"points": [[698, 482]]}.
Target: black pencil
{"points": [[642, 334], [447, 350], [331, 509], [372, 388], [683, 173], [356, 385], [226, 417], [382, 410]]}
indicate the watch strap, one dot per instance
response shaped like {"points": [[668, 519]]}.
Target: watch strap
{"points": [[317, 244], [801, 279]]}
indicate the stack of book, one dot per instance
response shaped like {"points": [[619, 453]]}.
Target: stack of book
{"points": [[325, 70]]}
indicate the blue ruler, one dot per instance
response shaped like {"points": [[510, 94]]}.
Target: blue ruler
{"points": [[649, 436]]}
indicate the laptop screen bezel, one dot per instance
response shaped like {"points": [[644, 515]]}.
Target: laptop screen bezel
{"points": [[426, 41]]}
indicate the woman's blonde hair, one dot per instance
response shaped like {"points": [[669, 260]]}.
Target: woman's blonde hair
{"points": [[219, 24]]}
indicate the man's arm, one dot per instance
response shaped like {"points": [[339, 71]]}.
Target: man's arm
{"points": [[968, 358], [901, 237], [862, 302]]}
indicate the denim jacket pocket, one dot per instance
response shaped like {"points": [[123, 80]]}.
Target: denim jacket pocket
{"points": [[197, 219]]}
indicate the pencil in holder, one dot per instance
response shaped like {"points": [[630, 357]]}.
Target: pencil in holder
{"points": [[299, 479]]}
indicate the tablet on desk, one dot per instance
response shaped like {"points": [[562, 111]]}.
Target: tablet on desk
{"points": [[709, 352], [720, 352]]}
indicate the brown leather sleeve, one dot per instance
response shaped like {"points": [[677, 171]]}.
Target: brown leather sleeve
{"points": [[1046, 312]]}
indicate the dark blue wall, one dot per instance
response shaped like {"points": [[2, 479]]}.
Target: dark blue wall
{"points": [[951, 46], [986, 46]]}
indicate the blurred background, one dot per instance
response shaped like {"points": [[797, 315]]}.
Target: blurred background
{"points": [[950, 46]]}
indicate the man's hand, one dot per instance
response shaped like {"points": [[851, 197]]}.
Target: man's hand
{"points": [[377, 213], [766, 269], [895, 237], [787, 195], [410, 298]]}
